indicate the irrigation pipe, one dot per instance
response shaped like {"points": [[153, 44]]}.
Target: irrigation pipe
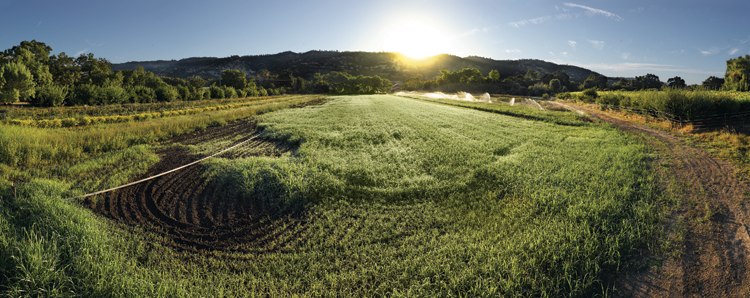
{"points": [[162, 174]]}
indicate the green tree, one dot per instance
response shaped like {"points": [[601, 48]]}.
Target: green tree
{"points": [[233, 78], [94, 70], [737, 76], [676, 82], [64, 70], [166, 93], [494, 75], [18, 83], [50, 96], [649, 81], [197, 82], [713, 83], [555, 85], [216, 92]]}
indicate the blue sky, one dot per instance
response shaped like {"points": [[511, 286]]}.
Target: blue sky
{"points": [[690, 39]]}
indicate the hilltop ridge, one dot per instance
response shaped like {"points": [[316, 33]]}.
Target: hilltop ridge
{"points": [[393, 66]]}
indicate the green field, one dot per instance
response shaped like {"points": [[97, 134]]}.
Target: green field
{"points": [[393, 196]]}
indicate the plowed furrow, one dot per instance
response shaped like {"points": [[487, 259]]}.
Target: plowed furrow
{"points": [[182, 211]]}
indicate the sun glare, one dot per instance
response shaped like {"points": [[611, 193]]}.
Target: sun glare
{"points": [[416, 41]]}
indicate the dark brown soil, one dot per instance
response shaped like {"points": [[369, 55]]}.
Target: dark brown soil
{"points": [[709, 225], [183, 211]]}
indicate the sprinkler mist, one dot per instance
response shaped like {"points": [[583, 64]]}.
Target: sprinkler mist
{"points": [[512, 101], [486, 97], [459, 96]]}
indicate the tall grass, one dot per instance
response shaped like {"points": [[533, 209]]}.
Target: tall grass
{"points": [[401, 198], [681, 104], [34, 147]]}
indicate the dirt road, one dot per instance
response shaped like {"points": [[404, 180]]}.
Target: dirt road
{"points": [[708, 226]]}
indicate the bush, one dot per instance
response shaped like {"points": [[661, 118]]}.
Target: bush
{"points": [[183, 92], [84, 94], [230, 92], [50, 96], [610, 99], [251, 92], [216, 92], [113, 95], [588, 95], [564, 95], [141, 94], [166, 93]]}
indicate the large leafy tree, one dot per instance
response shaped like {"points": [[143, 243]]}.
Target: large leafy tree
{"points": [[648, 81], [555, 85], [713, 83], [737, 76], [64, 70], [95, 71], [676, 82], [233, 78], [35, 56], [17, 83], [494, 75]]}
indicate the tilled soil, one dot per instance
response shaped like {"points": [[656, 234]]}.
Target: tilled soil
{"points": [[710, 224], [183, 211]]}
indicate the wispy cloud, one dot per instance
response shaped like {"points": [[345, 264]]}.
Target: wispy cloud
{"points": [[733, 51], [79, 53], [517, 51], [598, 44], [711, 51], [625, 56], [572, 44], [39, 24], [539, 20], [593, 11], [93, 44]]}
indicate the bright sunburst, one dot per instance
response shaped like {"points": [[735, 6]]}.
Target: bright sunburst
{"points": [[416, 41]]}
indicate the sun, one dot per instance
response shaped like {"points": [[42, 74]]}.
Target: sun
{"points": [[417, 41]]}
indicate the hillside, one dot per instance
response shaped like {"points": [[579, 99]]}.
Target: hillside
{"points": [[392, 66]]}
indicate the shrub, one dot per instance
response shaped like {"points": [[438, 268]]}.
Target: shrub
{"points": [[610, 99], [588, 95], [216, 92], [50, 96], [113, 95], [84, 94], [166, 93], [142, 94], [230, 92]]}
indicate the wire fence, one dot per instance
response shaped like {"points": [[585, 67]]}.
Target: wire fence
{"points": [[698, 122]]}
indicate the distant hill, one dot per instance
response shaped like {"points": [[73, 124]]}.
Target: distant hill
{"points": [[392, 66]]}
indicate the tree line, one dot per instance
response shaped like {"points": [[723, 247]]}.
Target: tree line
{"points": [[29, 73], [737, 78]]}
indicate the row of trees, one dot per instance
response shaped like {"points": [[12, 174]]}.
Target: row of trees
{"points": [[29, 73], [472, 80]]}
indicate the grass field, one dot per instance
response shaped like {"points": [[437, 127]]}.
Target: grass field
{"points": [[385, 196]]}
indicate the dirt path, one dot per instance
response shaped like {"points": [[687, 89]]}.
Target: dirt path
{"points": [[710, 226]]}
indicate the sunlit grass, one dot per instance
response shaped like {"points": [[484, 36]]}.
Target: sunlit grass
{"points": [[401, 198]]}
